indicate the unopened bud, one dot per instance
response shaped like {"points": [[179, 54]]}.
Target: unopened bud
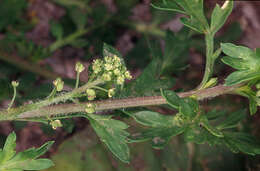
{"points": [[15, 83], [58, 83], [79, 67], [90, 108], [91, 94], [56, 124]]}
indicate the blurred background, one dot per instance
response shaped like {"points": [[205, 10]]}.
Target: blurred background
{"points": [[41, 40]]}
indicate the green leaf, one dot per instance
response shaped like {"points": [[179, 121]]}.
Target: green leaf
{"points": [[56, 30], [112, 133], [192, 24], [194, 8], [245, 60], [243, 142], [246, 91], [195, 134], [176, 48], [168, 5], [9, 148], [26, 160], [220, 15], [78, 16], [172, 98], [160, 136], [232, 120], [152, 119], [110, 51], [214, 131]]}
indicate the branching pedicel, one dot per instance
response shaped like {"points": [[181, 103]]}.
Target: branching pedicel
{"points": [[191, 121]]}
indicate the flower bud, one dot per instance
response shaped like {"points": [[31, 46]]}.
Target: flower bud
{"points": [[79, 67], [56, 124], [120, 80], [58, 83], [106, 76], [128, 75], [15, 83], [91, 94], [111, 92], [90, 108]]}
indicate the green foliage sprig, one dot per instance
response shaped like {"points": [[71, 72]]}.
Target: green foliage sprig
{"points": [[107, 80]]}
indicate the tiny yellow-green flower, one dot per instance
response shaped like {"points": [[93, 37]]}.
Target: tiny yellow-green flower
{"points": [[90, 108]]}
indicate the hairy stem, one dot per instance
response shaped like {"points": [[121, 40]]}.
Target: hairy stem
{"points": [[66, 109], [210, 59], [14, 112]]}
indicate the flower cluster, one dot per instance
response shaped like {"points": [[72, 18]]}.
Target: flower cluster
{"points": [[111, 69]]}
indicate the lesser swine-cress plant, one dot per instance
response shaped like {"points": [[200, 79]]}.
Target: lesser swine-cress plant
{"points": [[109, 74]]}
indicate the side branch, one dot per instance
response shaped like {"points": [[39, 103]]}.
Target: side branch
{"points": [[125, 103]]}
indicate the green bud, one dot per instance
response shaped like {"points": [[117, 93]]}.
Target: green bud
{"points": [[91, 94], [120, 80], [90, 108], [106, 76], [58, 83], [111, 92], [128, 75], [56, 124], [79, 67], [15, 83], [257, 86]]}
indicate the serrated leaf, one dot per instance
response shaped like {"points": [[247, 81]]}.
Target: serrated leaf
{"points": [[152, 119], [243, 142], [112, 133], [26, 160], [168, 5], [192, 24], [244, 60], [220, 15], [232, 120]]}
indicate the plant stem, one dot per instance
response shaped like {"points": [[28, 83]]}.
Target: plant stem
{"points": [[210, 59], [66, 109], [67, 40], [14, 112], [12, 101], [77, 80], [25, 65]]}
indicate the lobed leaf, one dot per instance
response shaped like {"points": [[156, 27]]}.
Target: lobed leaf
{"points": [[112, 133], [220, 15], [26, 160]]}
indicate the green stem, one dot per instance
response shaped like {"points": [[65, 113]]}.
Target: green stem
{"points": [[67, 40], [52, 94], [14, 112], [77, 80], [12, 101], [100, 88], [210, 59]]}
